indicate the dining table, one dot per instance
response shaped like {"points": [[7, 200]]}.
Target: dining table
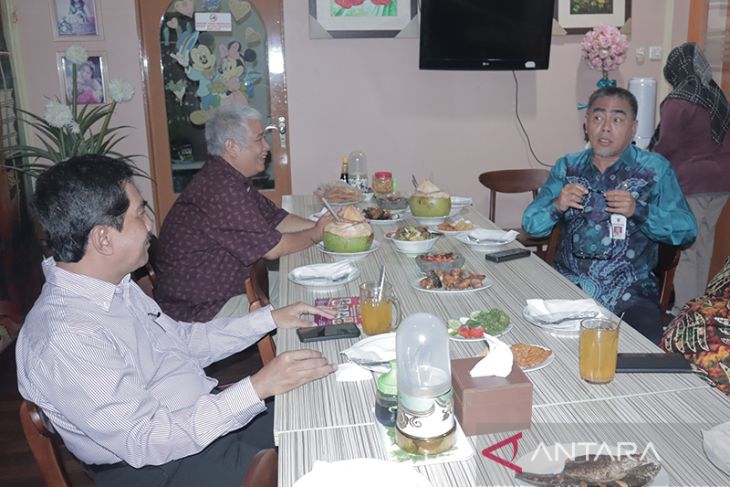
{"points": [[329, 420]]}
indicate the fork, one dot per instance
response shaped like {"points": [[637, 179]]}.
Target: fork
{"points": [[569, 317], [337, 279], [482, 240]]}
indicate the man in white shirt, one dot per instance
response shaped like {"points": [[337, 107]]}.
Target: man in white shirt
{"points": [[121, 382]]}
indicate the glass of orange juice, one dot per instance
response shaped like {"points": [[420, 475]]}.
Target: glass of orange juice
{"points": [[598, 350], [379, 313]]}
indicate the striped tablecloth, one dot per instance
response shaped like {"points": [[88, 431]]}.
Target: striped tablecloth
{"points": [[669, 424], [327, 403]]}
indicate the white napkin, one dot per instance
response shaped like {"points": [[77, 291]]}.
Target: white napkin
{"points": [[362, 472], [349, 372], [374, 348], [498, 361], [716, 443], [556, 309], [325, 271], [501, 236]]}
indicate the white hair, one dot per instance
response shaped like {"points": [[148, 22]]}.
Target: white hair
{"points": [[229, 122]]}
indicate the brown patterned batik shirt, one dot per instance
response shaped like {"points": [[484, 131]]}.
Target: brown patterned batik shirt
{"points": [[216, 230]]}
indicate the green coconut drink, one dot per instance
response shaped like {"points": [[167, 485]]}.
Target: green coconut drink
{"points": [[353, 234], [429, 201]]}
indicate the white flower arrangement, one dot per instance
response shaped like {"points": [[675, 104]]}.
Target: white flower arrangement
{"points": [[65, 130]]}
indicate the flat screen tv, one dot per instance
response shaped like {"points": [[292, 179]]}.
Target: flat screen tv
{"points": [[485, 34]]}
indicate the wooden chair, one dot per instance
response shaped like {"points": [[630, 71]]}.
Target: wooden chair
{"points": [[257, 291], [664, 270], [43, 442], [516, 181], [263, 471]]}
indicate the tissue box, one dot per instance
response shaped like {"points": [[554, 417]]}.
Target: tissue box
{"points": [[490, 404]]}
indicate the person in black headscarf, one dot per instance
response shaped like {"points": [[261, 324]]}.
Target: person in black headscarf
{"points": [[692, 134]]}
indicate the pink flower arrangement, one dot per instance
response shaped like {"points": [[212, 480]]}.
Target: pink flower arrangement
{"points": [[604, 49]]}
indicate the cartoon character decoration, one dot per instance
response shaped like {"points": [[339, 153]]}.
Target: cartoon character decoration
{"points": [[224, 75]]}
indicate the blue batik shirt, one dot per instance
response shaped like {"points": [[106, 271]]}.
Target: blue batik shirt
{"points": [[612, 271]]}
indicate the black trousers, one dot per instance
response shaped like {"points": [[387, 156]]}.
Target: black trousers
{"points": [[223, 463], [644, 315]]}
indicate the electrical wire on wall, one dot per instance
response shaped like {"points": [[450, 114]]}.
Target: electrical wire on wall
{"points": [[517, 114]]}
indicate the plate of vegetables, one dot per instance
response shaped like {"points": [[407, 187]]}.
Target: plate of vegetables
{"points": [[493, 322]]}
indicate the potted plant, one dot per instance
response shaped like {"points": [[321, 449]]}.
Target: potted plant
{"points": [[66, 130]]}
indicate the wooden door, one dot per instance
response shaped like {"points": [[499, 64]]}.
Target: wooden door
{"points": [[189, 73]]}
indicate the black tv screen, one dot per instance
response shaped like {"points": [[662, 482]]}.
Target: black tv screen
{"points": [[485, 34]]}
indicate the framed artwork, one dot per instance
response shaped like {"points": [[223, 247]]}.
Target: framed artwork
{"points": [[75, 20], [580, 16], [362, 18], [90, 79]]}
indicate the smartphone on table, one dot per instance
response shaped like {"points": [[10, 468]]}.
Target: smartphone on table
{"points": [[328, 332], [505, 255]]}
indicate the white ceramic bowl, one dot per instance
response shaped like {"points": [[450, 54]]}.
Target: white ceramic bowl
{"points": [[415, 247]]}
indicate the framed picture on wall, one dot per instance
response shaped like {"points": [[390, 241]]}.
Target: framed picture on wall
{"points": [[580, 16], [75, 20], [366, 18], [90, 79]]}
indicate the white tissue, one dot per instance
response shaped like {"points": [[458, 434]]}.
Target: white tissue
{"points": [[716, 443], [362, 472], [498, 361], [329, 271], [349, 372], [500, 235]]}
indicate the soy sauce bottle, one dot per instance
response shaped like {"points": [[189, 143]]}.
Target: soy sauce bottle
{"points": [[344, 175]]}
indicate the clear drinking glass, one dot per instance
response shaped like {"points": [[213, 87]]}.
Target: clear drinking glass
{"points": [[598, 350], [380, 314]]}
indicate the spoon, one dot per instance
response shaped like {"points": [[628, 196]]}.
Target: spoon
{"points": [[332, 211], [480, 240]]}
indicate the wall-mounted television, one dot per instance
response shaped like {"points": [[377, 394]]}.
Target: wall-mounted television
{"points": [[485, 34]]}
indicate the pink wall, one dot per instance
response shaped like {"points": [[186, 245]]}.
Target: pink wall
{"points": [[369, 94], [120, 46]]}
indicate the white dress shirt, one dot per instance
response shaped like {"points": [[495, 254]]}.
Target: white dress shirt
{"points": [[121, 381]]}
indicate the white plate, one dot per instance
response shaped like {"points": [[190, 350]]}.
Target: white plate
{"points": [[450, 233], [394, 218], [459, 338], [461, 237], [487, 284], [460, 201], [426, 221], [374, 348], [550, 459], [545, 363], [569, 328], [323, 281], [349, 255]]}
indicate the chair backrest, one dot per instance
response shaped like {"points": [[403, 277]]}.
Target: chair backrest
{"points": [[263, 471], [512, 181], [664, 269], [43, 444], [257, 292], [146, 276]]}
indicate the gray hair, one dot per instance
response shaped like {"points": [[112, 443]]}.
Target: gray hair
{"points": [[229, 122]]}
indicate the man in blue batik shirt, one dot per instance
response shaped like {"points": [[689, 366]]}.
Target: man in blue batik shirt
{"points": [[614, 203]]}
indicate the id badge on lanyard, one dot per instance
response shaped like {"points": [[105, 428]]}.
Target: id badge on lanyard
{"points": [[618, 227]]}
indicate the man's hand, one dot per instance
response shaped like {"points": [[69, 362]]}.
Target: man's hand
{"points": [[289, 371], [570, 197], [621, 202], [319, 227], [289, 316]]}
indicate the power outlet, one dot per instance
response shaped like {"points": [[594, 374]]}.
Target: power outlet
{"points": [[655, 53]]}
